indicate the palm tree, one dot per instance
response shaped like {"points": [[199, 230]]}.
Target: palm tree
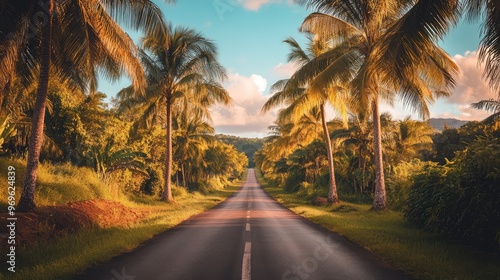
{"points": [[391, 46], [191, 135], [356, 139], [105, 161], [490, 105], [181, 66], [412, 137], [300, 98], [73, 40]]}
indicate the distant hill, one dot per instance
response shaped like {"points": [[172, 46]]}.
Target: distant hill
{"points": [[439, 123], [246, 145]]}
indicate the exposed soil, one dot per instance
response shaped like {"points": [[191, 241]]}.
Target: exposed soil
{"points": [[55, 221]]}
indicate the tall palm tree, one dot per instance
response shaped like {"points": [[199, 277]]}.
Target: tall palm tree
{"points": [[181, 66], [76, 40], [391, 45], [300, 98]]}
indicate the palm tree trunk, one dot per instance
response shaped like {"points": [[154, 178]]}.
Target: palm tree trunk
{"points": [[167, 192], [183, 170], [27, 201], [332, 192], [379, 199]]}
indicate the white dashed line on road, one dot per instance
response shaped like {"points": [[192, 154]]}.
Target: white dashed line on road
{"points": [[246, 271]]}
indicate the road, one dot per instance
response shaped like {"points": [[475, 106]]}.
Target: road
{"points": [[248, 236]]}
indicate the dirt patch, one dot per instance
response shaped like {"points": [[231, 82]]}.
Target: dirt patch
{"points": [[107, 213], [56, 221]]}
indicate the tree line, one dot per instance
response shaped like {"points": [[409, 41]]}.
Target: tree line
{"points": [[359, 54]]}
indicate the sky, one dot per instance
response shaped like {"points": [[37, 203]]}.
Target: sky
{"points": [[249, 35]]}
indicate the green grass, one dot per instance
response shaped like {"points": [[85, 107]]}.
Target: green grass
{"points": [[389, 236], [66, 256]]}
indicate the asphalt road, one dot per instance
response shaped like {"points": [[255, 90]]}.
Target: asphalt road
{"points": [[249, 236]]}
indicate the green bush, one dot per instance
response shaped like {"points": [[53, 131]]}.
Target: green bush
{"points": [[462, 198], [321, 185], [213, 184], [424, 195], [154, 184], [178, 192], [293, 181], [399, 181]]}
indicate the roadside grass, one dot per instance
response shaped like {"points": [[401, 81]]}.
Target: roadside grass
{"points": [[64, 257], [57, 184], [72, 254], [421, 254]]}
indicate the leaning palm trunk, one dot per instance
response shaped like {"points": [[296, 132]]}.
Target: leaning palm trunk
{"points": [[332, 192], [27, 201], [167, 191], [379, 199]]}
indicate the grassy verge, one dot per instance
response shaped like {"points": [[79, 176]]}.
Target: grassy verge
{"points": [[388, 235], [56, 184], [72, 254]]}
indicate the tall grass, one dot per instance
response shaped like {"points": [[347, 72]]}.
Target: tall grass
{"points": [[57, 184]]}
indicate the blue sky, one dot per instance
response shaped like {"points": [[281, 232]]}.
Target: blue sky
{"points": [[249, 35]]}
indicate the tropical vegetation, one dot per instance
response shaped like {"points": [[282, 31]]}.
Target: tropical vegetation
{"points": [[153, 143]]}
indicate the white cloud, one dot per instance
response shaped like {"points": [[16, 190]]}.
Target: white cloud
{"points": [[285, 70], [244, 115], [471, 88], [259, 81]]}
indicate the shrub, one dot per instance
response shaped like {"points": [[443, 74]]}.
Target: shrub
{"points": [[399, 181], [178, 192], [293, 181], [462, 198], [424, 195], [212, 184], [154, 184], [321, 185]]}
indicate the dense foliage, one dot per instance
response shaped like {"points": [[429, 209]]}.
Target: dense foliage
{"points": [[248, 146], [461, 198], [85, 131]]}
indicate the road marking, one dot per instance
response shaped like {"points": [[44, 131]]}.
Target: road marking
{"points": [[248, 227], [246, 270]]}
